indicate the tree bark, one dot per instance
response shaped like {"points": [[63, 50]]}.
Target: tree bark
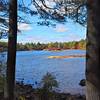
{"points": [[93, 51], [92, 92], [12, 40]]}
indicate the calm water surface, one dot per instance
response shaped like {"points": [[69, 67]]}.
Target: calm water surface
{"points": [[32, 65]]}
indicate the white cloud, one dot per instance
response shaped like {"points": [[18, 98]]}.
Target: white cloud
{"points": [[24, 27], [50, 3], [61, 28]]}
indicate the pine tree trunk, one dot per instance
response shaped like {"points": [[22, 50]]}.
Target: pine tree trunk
{"points": [[93, 51], [92, 92], [11, 57]]}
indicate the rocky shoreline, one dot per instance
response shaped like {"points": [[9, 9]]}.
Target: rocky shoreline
{"points": [[27, 92]]}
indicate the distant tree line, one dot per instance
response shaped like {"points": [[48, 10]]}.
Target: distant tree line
{"points": [[47, 46]]}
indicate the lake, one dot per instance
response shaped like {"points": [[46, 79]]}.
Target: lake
{"points": [[33, 65]]}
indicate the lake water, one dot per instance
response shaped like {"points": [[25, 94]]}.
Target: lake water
{"points": [[32, 65]]}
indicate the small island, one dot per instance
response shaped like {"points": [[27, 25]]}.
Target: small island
{"points": [[68, 56]]}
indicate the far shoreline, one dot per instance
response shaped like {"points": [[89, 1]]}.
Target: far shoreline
{"points": [[51, 50]]}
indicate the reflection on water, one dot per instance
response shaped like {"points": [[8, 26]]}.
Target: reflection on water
{"points": [[32, 65]]}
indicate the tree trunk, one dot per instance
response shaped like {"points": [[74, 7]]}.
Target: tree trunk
{"points": [[93, 51], [12, 40], [91, 92]]}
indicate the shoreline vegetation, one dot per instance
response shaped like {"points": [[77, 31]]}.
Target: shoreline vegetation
{"points": [[26, 92], [52, 46]]}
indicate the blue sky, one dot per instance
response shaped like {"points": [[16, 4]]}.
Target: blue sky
{"points": [[62, 32]]}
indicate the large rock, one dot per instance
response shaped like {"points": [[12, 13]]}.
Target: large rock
{"points": [[82, 82]]}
